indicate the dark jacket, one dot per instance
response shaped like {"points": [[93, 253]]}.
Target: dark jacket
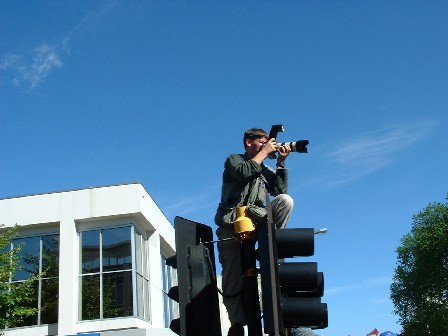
{"points": [[245, 182]]}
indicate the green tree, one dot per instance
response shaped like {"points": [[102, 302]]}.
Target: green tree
{"points": [[419, 290], [14, 298]]}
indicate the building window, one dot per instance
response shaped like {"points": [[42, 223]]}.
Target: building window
{"points": [[171, 308], [142, 275], [114, 275], [39, 257]]}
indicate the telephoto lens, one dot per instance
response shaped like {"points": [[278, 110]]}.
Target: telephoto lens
{"points": [[296, 146]]}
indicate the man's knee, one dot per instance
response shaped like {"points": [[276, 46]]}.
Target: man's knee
{"points": [[285, 201], [281, 209]]}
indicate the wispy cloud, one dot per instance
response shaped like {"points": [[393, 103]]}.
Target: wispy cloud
{"points": [[367, 153], [41, 62], [29, 67], [198, 206], [8, 62], [363, 285], [88, 25]]}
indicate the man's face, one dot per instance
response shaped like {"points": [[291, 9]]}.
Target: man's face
{"points": [[253, 146]]}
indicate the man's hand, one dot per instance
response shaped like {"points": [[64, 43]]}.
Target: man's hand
{"points": [[269, 147], [263, 148], [283, 153]]}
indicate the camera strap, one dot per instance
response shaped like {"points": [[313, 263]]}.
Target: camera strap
{"points": [[259, 182]]}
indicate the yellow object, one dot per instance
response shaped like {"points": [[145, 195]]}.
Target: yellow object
{"points": [[251, 272], [243, 225]]}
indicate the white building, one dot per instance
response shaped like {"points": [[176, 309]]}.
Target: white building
{"points": [[104, 252]]}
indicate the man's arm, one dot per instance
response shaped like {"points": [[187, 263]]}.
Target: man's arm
{"points": [[268, 148], [283, 153], [241, 169], [278, 181]]}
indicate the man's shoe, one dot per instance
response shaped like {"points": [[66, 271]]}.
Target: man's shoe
{"points": [[236, 329], [302, 332]]}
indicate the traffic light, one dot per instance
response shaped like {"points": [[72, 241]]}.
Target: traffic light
{"points": [[291, 291], [196, 291]]}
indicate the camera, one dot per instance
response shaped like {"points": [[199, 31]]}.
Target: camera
{"points": [[296, 146]]}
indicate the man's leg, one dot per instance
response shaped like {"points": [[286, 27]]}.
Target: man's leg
{"points": [[282, 206], [232, 282]]}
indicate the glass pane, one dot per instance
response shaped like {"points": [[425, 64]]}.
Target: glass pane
{"points": [[29, 257], [117, 294], [145, 257], [90, 289], [164, 275], [138, 252], [49, 301], [50, 256], [174, 305], [165, 289], [117, 249], [5, 247], [140, 299], [4, 254], [147, 301], [90, 251], [30, 293]]}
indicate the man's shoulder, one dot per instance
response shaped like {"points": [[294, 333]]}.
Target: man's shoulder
{"points": [[235, 156], [243, 156], [234, 160]]}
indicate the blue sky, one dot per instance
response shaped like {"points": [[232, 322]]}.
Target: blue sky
{"points": [[106, 92]]}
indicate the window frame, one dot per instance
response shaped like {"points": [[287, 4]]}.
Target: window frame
{"points": [[169, 279], [136, 297], [40, 279]]}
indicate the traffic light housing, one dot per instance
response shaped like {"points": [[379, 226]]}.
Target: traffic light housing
{"points": [[196, 291], [291, 291]]}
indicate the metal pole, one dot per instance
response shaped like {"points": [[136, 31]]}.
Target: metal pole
{"points": [[250, 297]]}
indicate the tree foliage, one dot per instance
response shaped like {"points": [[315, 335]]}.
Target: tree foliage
{"points": [[14, 298], [420, 285]]}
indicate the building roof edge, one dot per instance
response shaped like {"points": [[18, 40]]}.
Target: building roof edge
{"points": [[70, 190]]}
